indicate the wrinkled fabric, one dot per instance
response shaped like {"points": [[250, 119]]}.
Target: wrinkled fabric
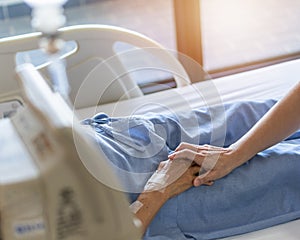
{"points": [[263, 192]]}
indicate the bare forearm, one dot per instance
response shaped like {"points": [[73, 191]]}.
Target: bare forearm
{"points": [[150, 202], [280, 122], [171, 179]]}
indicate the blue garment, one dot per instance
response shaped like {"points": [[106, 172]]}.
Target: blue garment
{"points": [[263, 192]]}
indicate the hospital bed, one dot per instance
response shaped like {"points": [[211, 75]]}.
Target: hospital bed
{"points": [[261, 84], [85, 65]]}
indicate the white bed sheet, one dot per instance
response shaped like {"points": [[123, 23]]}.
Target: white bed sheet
{"points": [[269, 82]]}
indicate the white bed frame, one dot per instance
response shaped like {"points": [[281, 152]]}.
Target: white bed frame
{"points": [[264, 83], [95, 56]]}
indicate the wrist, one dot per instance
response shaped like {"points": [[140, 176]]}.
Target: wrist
{"points": [[150, 203], [159, 197], [237, 155]]}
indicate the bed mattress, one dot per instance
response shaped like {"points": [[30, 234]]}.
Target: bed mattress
{"points": [[264, 83]]}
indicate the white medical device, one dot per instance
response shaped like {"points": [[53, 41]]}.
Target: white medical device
{"points": [[46, 192], [46, 189], [50, 43], [42, 10]]}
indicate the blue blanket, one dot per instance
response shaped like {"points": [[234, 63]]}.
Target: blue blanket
{"points": [[263, 192]]}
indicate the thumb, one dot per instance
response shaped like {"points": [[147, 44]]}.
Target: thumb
{"points": [[198, 181], [203, 179]]}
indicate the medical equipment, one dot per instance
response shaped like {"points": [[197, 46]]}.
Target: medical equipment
{"points": [[50, 42], [46, 190], [41, 10]]}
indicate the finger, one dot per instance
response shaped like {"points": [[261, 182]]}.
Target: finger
{"points": [[215, 148], [189, 155], [193, 173], [160, 166], [211, 176], [172, 156], [194, 170], [164, 166], [209, 183], [196, 148], [185, 145]]}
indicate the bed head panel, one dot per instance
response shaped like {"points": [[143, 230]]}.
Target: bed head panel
{"points": [[85, 68]]}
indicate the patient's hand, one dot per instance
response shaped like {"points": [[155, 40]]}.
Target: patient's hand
{"points": [[182, 175], [173, 177], [215, 162], [170, 179]]}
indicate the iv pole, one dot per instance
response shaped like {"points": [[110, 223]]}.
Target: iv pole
{"points": [[48, 17]]}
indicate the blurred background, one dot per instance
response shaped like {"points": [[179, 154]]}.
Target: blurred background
{"points": [[224, 36]]}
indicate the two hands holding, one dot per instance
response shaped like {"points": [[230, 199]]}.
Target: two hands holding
{"points": [[189, 165], [214, 162]]}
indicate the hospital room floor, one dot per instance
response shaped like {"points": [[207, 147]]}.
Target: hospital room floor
{"points": [[266, 29]]}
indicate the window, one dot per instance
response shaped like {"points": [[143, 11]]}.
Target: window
{"points": [[224, 36], [153, 18], [238, 35]]}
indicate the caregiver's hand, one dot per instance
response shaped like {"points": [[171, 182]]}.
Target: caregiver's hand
{"points": [[215, 162]]}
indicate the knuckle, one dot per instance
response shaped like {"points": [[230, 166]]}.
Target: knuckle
{"points": [[186, 152], [199, 157], [182, 144]]}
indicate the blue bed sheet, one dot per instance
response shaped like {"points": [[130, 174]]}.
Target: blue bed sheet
{"points": [[261, 193]]}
